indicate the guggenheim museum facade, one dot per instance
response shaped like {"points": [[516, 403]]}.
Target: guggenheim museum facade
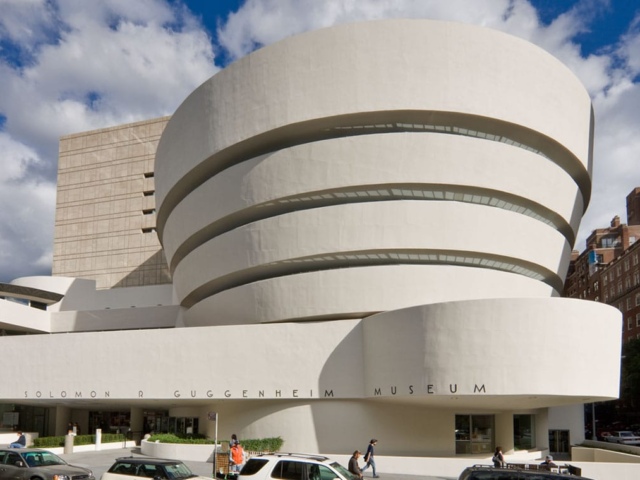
{"points": [[357, 232]]}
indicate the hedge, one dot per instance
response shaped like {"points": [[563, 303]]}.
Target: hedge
{"points": [[52, 442], [252, 445]]}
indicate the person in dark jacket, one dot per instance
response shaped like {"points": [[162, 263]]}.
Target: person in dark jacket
{"points": [[354, 468], [21, 442], [368, 457]]}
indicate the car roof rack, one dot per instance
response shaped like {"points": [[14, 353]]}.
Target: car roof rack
{"points": [[308, 456], [570, 469]]}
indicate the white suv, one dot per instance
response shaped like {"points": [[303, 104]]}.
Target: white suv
{"points": [[293, 466]]}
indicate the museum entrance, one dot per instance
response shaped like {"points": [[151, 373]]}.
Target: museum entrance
{"points": [[559, 442]]}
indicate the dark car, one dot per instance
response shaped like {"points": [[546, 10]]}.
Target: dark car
{"points": [[133, 468], [519, 472], [36, 464]]}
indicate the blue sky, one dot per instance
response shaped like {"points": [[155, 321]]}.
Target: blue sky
{"points": [[69, 66]]}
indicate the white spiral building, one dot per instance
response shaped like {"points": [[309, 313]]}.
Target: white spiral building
{"points": [[372, 167], [376, 220]]}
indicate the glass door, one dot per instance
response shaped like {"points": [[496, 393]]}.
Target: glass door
{"points": [[474, 434], [559, 441]]}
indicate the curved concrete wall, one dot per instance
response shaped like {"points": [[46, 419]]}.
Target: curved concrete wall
{"points": [[312, 76], [303, 158], [493, 343], [357, 292], [400, 166]]}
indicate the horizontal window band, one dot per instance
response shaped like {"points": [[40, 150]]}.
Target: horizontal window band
{"points": [[373, 193], [485, 128], [367, 258]]}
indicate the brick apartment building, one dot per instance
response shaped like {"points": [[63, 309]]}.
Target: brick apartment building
{"points": [[608, 270]]}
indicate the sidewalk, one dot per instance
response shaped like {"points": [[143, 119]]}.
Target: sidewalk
{"points": [[100, 461]]}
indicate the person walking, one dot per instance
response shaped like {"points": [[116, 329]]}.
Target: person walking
{"points": [[354, 468], [369, 457]]}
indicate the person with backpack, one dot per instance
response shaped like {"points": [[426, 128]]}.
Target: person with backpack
{"points": [[369, 458]]}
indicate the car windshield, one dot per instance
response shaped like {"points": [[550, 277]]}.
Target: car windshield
{"points": [[343, 471], [40, 459], [179, 470]]}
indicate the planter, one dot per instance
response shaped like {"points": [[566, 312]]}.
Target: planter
{"points": [[92, 447], [181, 451]]}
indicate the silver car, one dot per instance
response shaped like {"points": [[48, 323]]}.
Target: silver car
{"points": [[36, 464]]}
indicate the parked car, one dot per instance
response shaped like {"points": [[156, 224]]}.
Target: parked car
{"points": [[513, 472], [626, 437], [37, 464], [293, 466], [146, 467]]}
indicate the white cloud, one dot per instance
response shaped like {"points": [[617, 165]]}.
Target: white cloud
{"points": [[70, 66], [262, 22], [607, 75], [26, 217], [26, 21], [76, 65]]}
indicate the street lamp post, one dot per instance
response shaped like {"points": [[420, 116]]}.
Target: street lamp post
{"points": [[213, 417]]}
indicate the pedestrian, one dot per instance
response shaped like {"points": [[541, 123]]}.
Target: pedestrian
{"points": [[548, 462], [498, 458], [21, 442], [369, 458], [354, 468], [236, 458]]}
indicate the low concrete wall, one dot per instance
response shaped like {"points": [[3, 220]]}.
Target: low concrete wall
{"points": [[585, 454], [92, 447], [178, 451], [9, 437], [611, 447]]}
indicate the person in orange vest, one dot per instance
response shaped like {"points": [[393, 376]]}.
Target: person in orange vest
{"points": [[236, 457]]}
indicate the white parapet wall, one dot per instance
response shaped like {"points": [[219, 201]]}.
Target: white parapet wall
{"points": [[179, 451], [93, 447]]}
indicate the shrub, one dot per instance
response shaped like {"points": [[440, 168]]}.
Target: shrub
{"points": [[273, 444], [173, 438], [52, 442], [253, 445]]}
